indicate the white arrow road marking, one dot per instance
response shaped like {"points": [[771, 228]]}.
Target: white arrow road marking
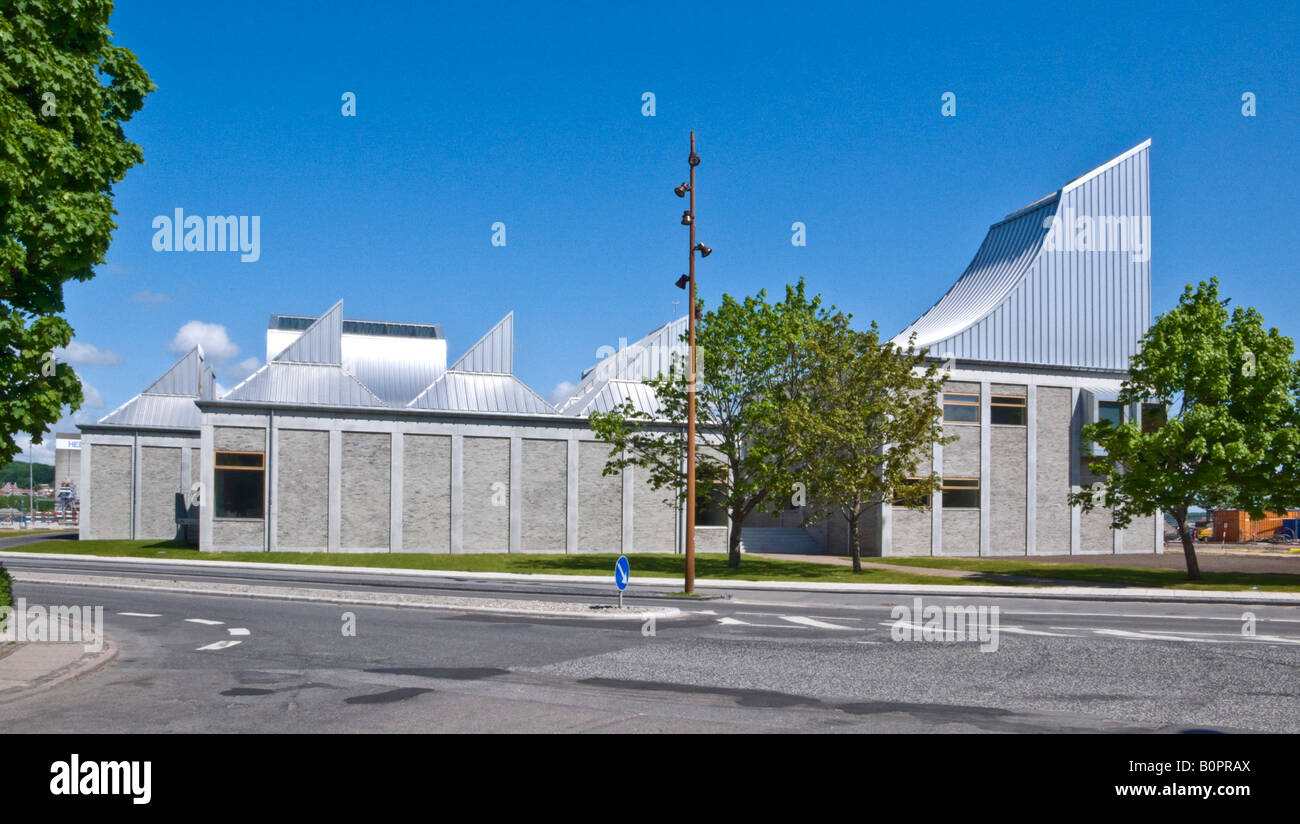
{"points": [[141, 614], [727, 620], [737, 622], [812, 622], [705, 612], [206, 621], [218, 645], [237, 631]]}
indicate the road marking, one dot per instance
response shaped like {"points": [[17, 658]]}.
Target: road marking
{"points": [[812, 622], [1135, 615], [204, 621], [728, 621], [1150, 636], [237, 631], [141, 614], [1022, 631], [218, 645], [705, 612]]}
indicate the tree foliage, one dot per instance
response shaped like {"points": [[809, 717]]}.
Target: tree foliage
{"points": [[862, 423], [1229, 388], [65, 91], [748, 355]]}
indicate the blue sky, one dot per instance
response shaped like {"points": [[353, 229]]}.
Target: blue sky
{"points": [[531, 114]]}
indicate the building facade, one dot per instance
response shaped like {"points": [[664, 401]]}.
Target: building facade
{"points": [[356, 437]]}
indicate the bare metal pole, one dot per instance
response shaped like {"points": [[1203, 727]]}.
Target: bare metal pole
{"points": [[690, 393]]}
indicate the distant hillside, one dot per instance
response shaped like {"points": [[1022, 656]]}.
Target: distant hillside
{"points": [[17, 473]]}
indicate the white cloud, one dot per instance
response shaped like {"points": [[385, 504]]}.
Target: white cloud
{"points": [[219, 390], [91, 398], [217, 346], [147, 296], [245, 367], [44, 452], [561, 392], [85, 353]]}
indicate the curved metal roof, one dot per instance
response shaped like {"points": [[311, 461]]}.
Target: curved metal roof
{"points": [[1029, 299]]}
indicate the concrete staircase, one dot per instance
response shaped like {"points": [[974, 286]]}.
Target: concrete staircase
{"points": [[780, 541]]}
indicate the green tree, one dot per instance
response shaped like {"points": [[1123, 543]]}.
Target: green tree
{"points": [[746, 352], [1228, 388], [65, 91], [864, 416]]}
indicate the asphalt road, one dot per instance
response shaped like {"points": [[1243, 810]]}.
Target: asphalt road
{"points": [[756, 661]]}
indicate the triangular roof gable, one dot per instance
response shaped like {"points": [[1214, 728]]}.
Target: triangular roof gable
{"points": [[183, 377], [322, 342], [494, 352]]}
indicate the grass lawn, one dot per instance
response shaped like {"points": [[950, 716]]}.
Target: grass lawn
{"points": [[650, 566], [1125, 576], [18, 533]]}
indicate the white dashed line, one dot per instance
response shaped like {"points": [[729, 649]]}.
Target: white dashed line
{"points": [[205, 621], [218, 645], [1150, 636], [237, 631], [141, 614]]}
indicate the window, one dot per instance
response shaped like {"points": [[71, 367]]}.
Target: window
{"points": [[1112, 411], [1008, 410], [961, 493], [960, 408], [238, 478], [924, 501], [711, 506], [1154, 416]]}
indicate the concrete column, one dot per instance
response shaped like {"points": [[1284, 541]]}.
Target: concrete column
{"points": [[205, 481], [1075, 431], [396, 491], [83, 493], [628, 475], [1031, 468], [271, 481], [571, 502], [516, 492], [335, 491], [887, 530], [986, 463], [936, 507], [457, 492], [137, 525]]}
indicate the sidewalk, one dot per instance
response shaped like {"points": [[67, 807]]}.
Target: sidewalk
{"points": [[28, 668]]}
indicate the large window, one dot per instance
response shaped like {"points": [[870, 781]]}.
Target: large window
{"points": [[906, 496], [1008, 410], [961, 408], [1112, 411], [238, 478], [1154, 416], [961, 493], [711, 506]]}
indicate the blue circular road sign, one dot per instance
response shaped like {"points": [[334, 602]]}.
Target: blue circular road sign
{"points": [[621, 572]]}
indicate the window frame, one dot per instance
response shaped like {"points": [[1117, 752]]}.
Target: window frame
{"points": [[1022, 404], [975, 403], [976, 487], [928, 503], [1123, 411], [218, 467]]}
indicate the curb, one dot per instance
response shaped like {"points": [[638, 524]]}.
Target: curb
{"points": [[353, 598], [84, 665], [1099, 593]]}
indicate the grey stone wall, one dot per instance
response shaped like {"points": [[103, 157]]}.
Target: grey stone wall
{"points": [[654, 523], [238, 439], [235, 535], [961, 458], [110, 509], [600, 503], [1006, 489], [1052, 477], [486, 524], [711, 539], [912, 532], [365, 490], [545, 490], [961, 529], [426, 488], [160, 486], [302, 499]]}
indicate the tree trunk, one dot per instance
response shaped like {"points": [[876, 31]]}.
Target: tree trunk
{"points": [[733, 543], [855, 549], [1189, 549]]}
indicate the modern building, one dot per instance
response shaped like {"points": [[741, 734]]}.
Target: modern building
{"points": [[356, 437]]}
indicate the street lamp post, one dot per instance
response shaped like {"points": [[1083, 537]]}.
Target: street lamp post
{"points": [[688, 219]]}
